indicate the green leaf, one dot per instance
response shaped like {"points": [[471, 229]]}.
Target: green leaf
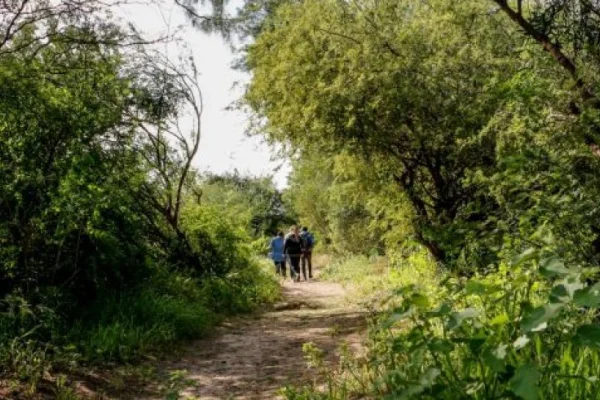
{"points": [[457, 318], [420, 300], [475, 344], [528, 254], [441, 311], [588, 297], [553, 266], [535, 319], [560, 294], [588, 335], [404, 290], [441, 345], [426, 380], [494, 358], [477, 287], [429, 377], [571, 284], [525, 382], [500, 319], [397, 317]]}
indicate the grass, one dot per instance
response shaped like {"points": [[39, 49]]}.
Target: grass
{"points": [[371, 278], [148, 320], [171, 309]]}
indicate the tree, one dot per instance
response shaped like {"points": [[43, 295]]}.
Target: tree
{"points": [[67, 175], [168, 122], [428, 95], [351, 74], [569, 30], [253, 203]]}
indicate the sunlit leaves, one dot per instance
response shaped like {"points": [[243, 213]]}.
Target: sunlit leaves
{"points": [[553, 267], [588, 297], [535, 319]]}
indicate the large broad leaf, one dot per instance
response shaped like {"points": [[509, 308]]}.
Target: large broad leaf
{"points": [[535, 319], [525, 382], [588, 335], [560, 294], [441, 345], [571, 284], [419, 300], [441, 311], [525, 256], [426, 380], [429, 377], [553, 266], [588, 297], [457, 318], [494, 358]]}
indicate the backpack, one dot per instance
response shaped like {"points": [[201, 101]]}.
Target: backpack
{"points": [[309, 241]]}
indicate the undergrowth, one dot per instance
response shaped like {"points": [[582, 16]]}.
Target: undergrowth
{"points": [[152, 318], [371, 278], [526, 330]]}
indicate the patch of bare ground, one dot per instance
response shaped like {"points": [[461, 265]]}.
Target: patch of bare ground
{"points": [[253, 357]]}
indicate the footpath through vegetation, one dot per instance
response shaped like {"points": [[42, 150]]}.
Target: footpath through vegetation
{"points": [[255, 357], [447, 153]]}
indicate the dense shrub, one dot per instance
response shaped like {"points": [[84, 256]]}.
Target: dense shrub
{"points": [[528, 330]]}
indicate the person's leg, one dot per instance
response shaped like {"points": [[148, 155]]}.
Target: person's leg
{"points": [[276, 267], [309, 260], [303, 261], [292, 272], [296, 264], [283, 272]]}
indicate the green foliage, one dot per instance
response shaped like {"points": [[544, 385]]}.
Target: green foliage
{"points": [[253, 204], [370, 278], [520, 332], [452, 115], [104, 255], [352, 208]]}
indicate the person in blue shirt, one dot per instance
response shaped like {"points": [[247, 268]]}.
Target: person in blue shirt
{"points": [[309, 242], [277, 254]]}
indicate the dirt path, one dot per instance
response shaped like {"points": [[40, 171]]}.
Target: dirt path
{"points": [[253, 357]]}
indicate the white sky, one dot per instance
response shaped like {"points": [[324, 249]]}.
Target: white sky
{"points": [[224, 146]]}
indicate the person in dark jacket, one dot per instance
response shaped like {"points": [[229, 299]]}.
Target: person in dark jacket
{"points": [[309, 242], [293, 247]]}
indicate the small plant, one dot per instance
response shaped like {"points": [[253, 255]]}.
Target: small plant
{"points": [[176, 383], [62, 391]]}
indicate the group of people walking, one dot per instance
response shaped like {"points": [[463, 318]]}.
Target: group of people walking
{"points": [[294, 249]]}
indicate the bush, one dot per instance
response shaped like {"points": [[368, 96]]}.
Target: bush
{"points": [[141, 322], [527, 330], [170, 308], [242, 290]]}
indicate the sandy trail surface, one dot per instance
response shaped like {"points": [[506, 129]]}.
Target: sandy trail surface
{"points": [[254, 357]]}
